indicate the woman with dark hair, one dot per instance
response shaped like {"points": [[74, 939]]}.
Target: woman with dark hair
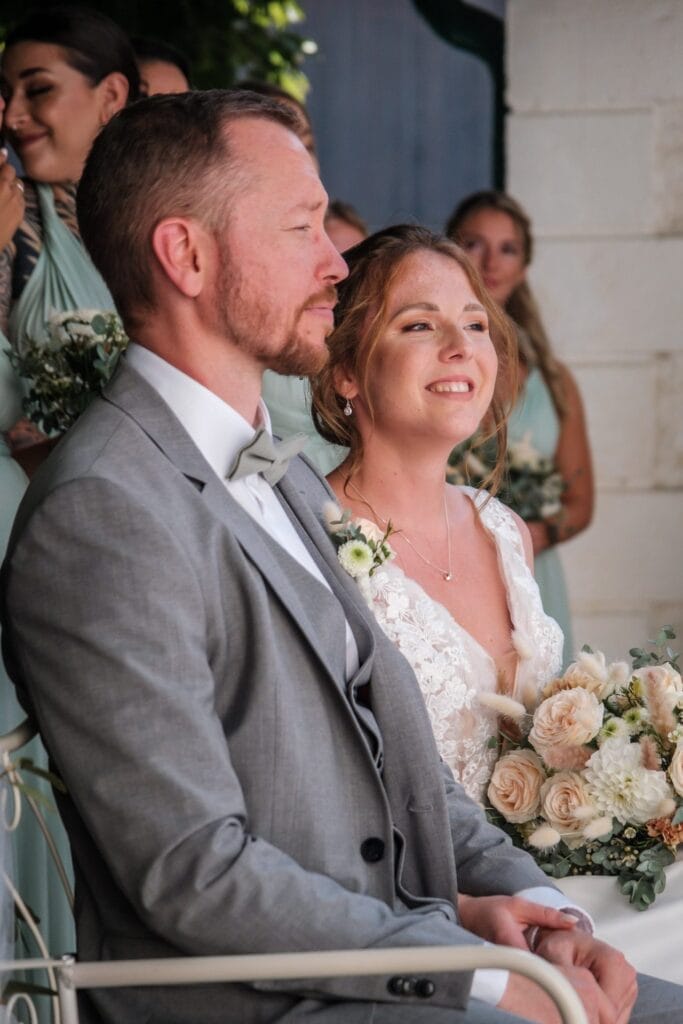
{"points": [[65, 72], [496, 233], [419, 356]]}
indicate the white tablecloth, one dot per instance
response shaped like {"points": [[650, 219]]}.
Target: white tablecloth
{"points": [[651, 939]]}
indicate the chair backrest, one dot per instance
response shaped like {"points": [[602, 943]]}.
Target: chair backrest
{"points": [[14, 797]]}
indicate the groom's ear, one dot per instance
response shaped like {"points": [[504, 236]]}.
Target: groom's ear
{"points": [[181, 248]]}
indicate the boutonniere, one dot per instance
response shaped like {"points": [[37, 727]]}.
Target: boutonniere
{"points": [[362, 547]]}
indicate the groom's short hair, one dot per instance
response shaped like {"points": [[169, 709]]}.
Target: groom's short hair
{"points": [[162, 157]]}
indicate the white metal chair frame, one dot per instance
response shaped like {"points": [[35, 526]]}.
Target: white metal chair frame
{"points": [[72, 976], [14, 796], [67, 975]]}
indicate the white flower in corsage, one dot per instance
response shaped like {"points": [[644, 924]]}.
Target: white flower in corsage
{"points": [[591, 783], [362, 547]]}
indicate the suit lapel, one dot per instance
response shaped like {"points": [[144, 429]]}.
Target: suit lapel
{"points": [[131, 393], [319, 544]]}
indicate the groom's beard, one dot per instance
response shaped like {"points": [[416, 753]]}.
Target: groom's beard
{"points": [[245, 313]]}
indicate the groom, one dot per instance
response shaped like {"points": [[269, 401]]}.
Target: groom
{"points": [[248, 761]]}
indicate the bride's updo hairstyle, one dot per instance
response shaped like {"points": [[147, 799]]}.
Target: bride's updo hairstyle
{"points": [[360, 319]]}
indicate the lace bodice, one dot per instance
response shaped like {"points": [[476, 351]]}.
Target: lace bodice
{"points": [[452, 668]]}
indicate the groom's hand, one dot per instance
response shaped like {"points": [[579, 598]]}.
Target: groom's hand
{"points": [[504, 920], [530, 1002], [612, 972]]}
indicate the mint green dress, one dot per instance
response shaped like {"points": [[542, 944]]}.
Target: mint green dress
{"points": [[63, 278], [288, 400], [535, 414]]}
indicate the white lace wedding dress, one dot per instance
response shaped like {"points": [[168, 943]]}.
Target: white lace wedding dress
{"points": [[452, 668]]}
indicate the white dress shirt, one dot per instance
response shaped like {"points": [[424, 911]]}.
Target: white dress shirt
{"points": [[219, 432]]}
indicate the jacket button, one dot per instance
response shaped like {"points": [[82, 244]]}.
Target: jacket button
{"points": [[372, 849], [424, 988], [395, 986], [403, 986]]}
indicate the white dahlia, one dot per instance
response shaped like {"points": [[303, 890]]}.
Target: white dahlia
{"points": [[621, 786]]}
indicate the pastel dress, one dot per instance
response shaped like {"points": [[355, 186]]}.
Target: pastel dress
{"points": [[451, 667], [535, 415], [63, 278], [289, 403]]}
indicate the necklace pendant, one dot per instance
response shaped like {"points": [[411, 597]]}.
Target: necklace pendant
{"points": [[448, 576]]}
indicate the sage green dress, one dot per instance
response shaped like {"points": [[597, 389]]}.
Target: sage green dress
{"points": [[63, 278], [288, 400], [535, 414]]}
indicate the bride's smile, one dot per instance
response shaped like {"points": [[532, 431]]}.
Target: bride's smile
{"points": [[432, 370]]}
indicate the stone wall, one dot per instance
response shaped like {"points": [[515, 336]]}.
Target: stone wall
{"points": [[595, 153]]}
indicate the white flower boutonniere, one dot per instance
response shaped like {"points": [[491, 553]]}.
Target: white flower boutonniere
{"points": [[361, 546]]}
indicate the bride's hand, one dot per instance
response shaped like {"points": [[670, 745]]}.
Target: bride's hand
{"points": [[504, 920]]}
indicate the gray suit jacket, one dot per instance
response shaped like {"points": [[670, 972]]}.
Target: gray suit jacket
{"points": [[228, 791]]}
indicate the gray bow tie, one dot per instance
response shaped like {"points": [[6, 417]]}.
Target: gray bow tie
{"points": [[265, 456]]}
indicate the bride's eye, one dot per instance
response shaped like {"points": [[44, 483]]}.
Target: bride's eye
{"points": [[477, 325], [418, 325]]}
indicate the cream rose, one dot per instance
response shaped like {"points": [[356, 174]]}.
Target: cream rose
{"points": [[370, 530], [565, 802], [590, 672], [567, 719], [515, 785], [676, 768]]}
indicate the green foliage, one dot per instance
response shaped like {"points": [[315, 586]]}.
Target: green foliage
{"points": [[67, 371], [531, 485], [662, 653], [225, 40]]}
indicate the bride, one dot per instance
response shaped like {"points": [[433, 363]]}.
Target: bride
{"points": [[411, 374]]}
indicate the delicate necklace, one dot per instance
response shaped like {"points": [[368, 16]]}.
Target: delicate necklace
{"points": [[446, 574]]}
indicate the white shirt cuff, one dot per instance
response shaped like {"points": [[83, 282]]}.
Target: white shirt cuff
{"points": [[548, 897], [489, 985]]}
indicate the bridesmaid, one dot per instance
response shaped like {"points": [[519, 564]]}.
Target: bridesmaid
{"points": [[495, 232], [65, 72]]}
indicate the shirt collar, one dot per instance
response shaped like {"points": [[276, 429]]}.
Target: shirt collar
{"points": [[217, 429]]}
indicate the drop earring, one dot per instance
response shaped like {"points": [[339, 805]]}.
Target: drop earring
{"points": [[348, 408]]}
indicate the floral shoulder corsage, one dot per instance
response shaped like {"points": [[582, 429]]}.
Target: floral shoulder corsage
{"points": [[362, 547]]}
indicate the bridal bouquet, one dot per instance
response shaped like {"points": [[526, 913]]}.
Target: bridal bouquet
{"points": [[531, 486], [591, 780], [82, 350]]}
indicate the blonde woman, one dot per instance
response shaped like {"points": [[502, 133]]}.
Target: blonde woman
{"points": [[496, 233]]}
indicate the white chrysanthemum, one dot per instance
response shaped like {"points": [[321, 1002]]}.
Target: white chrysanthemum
{"points": [[356, 558], [621, 787], [635, 719], [614, 729]]}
